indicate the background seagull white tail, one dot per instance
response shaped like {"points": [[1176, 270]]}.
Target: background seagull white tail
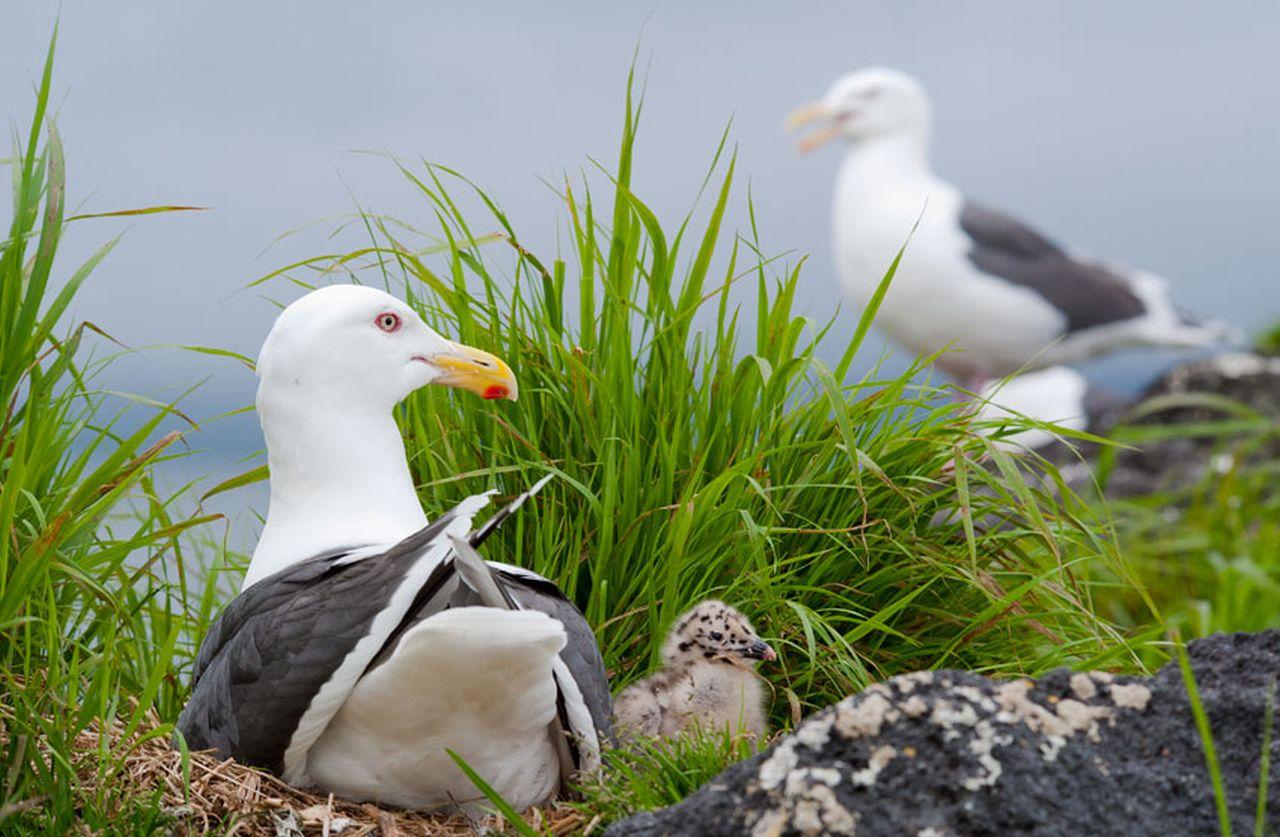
{"points": [[1168, 325]]}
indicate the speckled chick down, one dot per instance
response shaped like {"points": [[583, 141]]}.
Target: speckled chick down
{"points": [[707, 680]]}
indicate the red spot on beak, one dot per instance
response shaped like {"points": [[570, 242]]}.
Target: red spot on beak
{"points": [[495, 391]]}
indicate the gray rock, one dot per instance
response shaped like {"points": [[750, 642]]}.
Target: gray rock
{"points": [[1169, 465], [1247, 379], [954, 753]]}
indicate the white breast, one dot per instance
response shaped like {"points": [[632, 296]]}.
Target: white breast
{"points": [[938, 299]]}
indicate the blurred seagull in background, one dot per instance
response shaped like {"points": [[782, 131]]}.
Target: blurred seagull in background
{"points": [[1058, 395], [993, 292], [367, 643]]}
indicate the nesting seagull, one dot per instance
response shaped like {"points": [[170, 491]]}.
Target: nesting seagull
{"points": [[367, 643], [707, 681], [995, 292]]}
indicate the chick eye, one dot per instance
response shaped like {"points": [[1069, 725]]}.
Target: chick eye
{"points": [[717, 636], [388, 321]]}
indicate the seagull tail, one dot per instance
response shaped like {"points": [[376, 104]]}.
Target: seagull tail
{"points": [[480, 535], [1212, 331], [1169, 325]]}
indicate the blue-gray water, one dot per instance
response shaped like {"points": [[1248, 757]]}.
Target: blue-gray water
{"points": [[1147, 132]]}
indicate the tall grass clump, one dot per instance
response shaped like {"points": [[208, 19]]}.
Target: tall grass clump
{"points": [[704, 447], [89, 621]]}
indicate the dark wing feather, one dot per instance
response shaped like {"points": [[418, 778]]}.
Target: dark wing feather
{"points": [[1087, 294], [274, 647], [280, 640]]}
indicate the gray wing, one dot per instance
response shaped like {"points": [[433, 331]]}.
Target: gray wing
{"points": [[274, 647], [280, 640], [1087, 294], [581, 652]]}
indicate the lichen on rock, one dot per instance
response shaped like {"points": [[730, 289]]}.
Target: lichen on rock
{"points": [[955, 753]]}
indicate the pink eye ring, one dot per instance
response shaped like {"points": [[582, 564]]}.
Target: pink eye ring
{"points": [[388, 321]]}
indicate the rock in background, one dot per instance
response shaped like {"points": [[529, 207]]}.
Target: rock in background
{"points": [[1217, 386], [1250, 380], [952, 753]]}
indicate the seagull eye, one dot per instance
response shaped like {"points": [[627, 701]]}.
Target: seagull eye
{"points": [[717, 636], [388, 321], [871, 93]]}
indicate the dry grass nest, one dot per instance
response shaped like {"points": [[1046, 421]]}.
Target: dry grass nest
{"points": [[212, 794]]}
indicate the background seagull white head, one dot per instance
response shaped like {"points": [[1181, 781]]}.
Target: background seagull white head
{"points": [[335, 364], [876, 101]]}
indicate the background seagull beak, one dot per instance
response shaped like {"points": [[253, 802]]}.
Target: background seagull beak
{"points": [[802, 116], [475, 370], [812, 113]]}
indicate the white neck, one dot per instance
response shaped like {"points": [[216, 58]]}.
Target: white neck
{"points": [[889, 157], [339, 478]]}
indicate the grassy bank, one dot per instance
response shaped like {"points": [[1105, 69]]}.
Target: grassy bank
{"points": [[702, 448], [93, 597]]}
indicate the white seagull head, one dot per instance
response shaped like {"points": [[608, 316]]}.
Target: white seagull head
{"points": [[352, 344], [873, 102], [331, 371]]}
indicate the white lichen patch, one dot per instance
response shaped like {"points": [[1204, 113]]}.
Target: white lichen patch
{"points": [[866, 717], [798, 780], [1083, 687], [1016, 707], [769, 824], [1131, 696], [948, 714], [810, 806], [1051, 746], [1084, 717], [975, 696], [880, 758], [985, 740], [820, 812], [816, 732], [775, 769], [914, 706], [907, 683]]}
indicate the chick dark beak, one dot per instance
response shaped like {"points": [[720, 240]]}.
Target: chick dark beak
{"points": [[760, 650]]}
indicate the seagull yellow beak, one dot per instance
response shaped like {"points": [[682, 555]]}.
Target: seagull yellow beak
{"points": [[806, 115], [474, 370]]}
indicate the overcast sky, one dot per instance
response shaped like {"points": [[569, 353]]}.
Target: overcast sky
{"points": [[1147, 132]]}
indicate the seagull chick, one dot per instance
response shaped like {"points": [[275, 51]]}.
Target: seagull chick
{"points": [[708, 679], [986, 292]]}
